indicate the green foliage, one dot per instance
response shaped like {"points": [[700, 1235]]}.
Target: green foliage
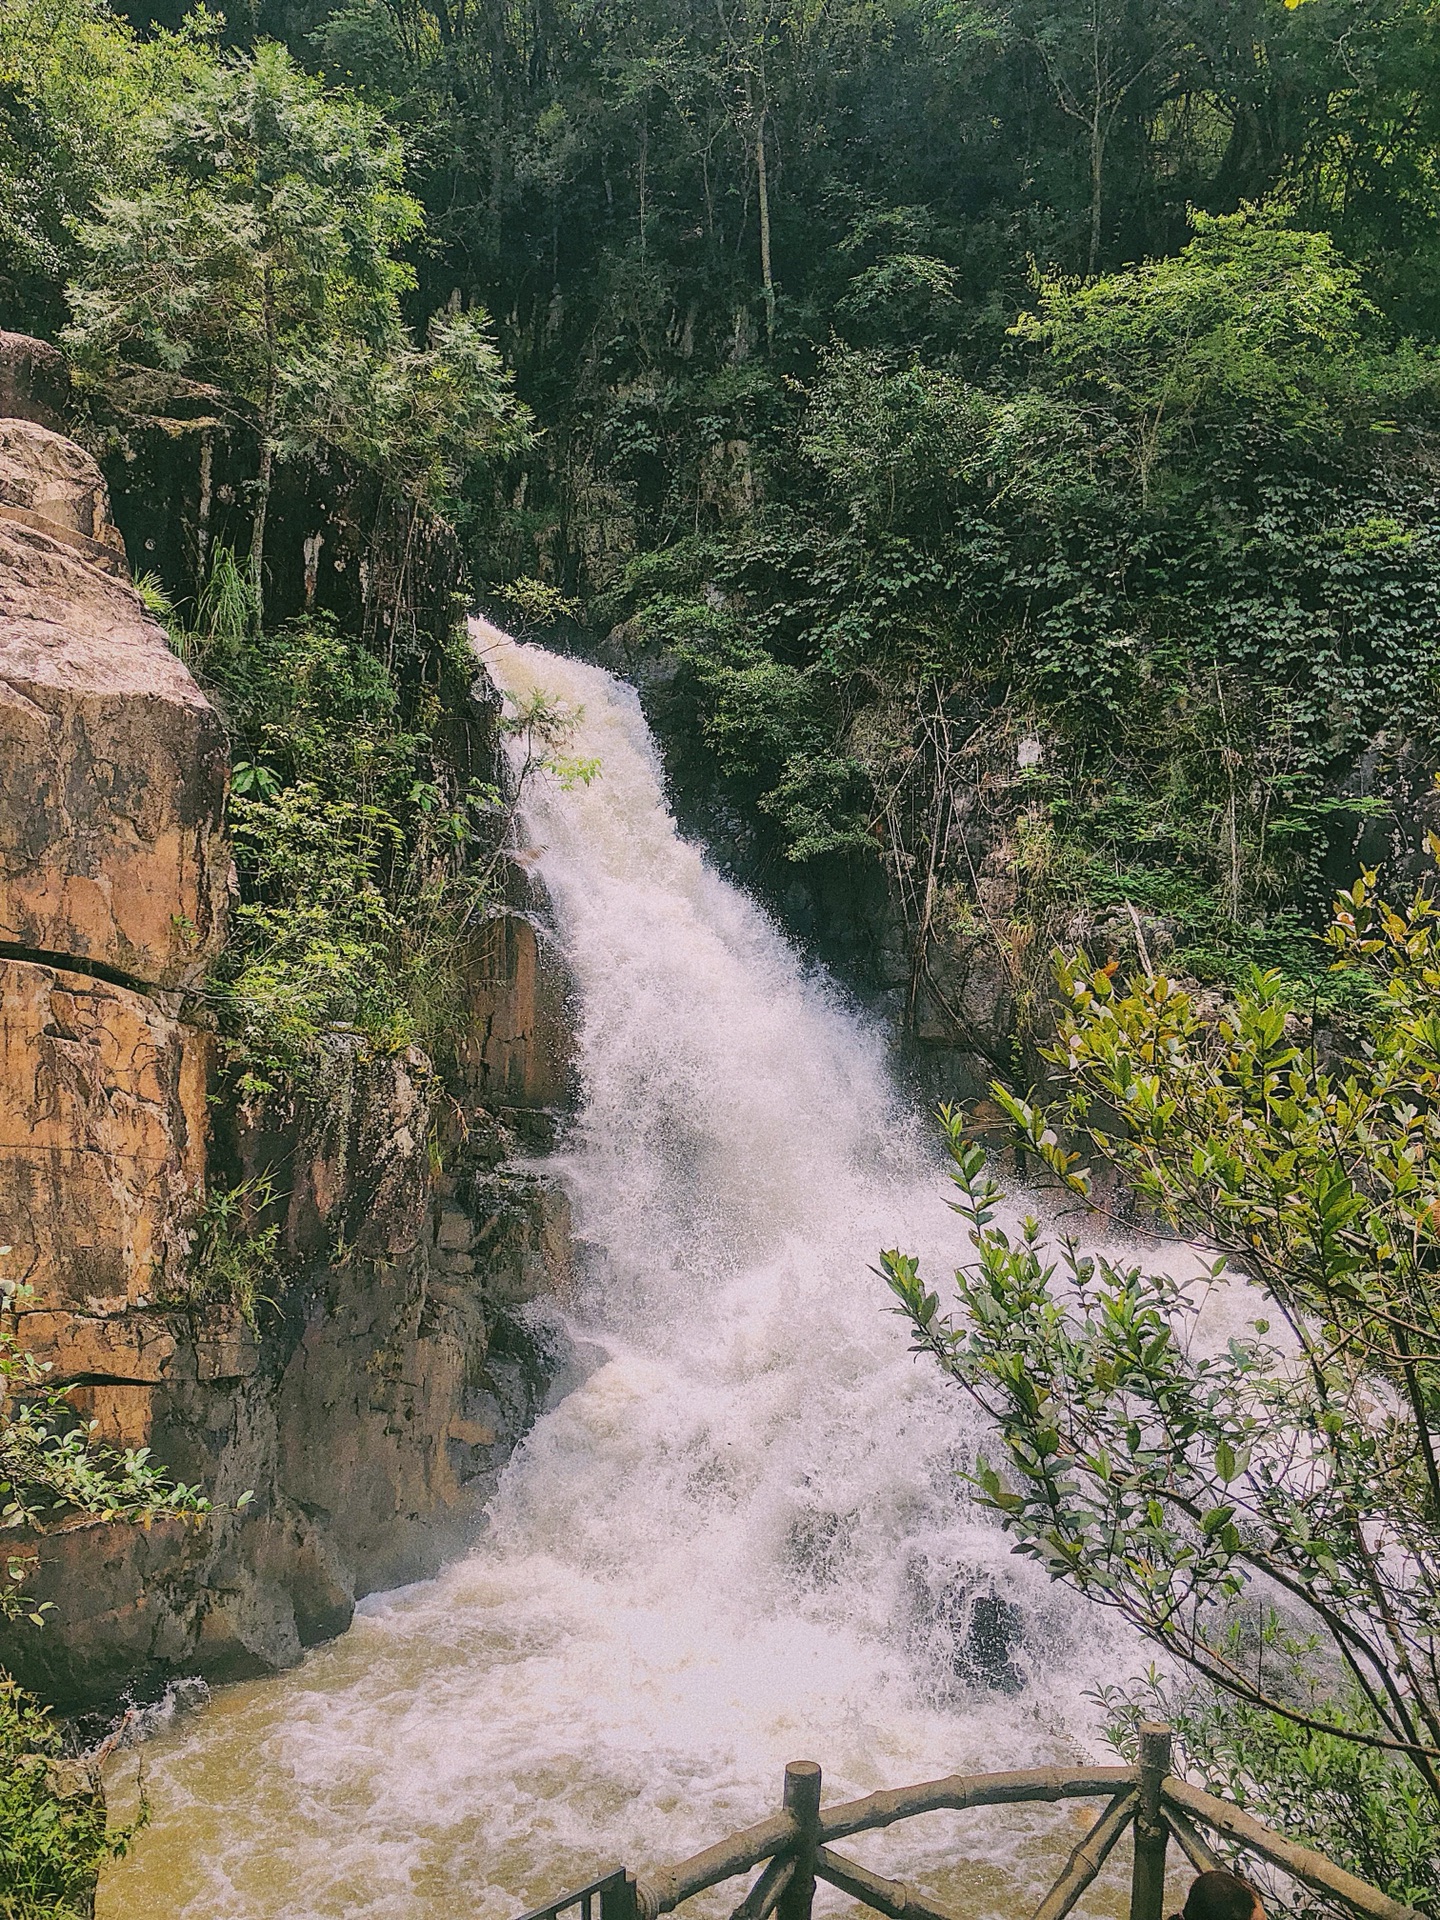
{"points": [[226, 610], [1351, 1802], [269, 229], [51, 1468], [1164, 529], [231, 1258], [54, 1835], [543, 728], [599, 185], [156, 601], [318, 927], [896, 441], [365, 862], [1254, 334], [78, 92], [766, 723], [424, 417], [262, 246], [532, 605], [262, 253], [1169, 1479], [901, 292], [333, 842]]}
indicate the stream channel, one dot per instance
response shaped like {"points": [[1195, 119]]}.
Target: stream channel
{"points": [[737, 1539]]}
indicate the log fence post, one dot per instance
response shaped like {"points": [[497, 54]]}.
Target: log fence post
{"points": [[802, 1803], [1147, 1884], [793, 1847]]}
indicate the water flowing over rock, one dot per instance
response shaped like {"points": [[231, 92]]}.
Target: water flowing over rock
{"points": [[738, 1538]]}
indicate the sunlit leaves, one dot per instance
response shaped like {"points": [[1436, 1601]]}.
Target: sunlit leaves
{"points": [[1254, 323], [52, 1468], [1170, 1473], [272, 221]]}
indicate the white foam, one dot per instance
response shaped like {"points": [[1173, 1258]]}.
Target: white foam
{"points": [[740, 1541]]}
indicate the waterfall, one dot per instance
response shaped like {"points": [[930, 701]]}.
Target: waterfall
{"points": [[741, 1538]]}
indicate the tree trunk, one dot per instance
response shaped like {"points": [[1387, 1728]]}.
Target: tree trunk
{"points": [[202, 517], [1099, 88], [641, 181], [267, 458], [494, 211], [1097, 163], [765, 276], [257, 532]]}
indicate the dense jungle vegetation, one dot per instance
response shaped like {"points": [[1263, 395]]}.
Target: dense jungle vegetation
{"points": [[830, 420], [914, 382]]}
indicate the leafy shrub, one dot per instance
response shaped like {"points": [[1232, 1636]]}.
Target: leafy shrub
{"points": [[230, 1258], [1358, 1805], [1187, 528], [365, 859], [51, 1468], [54, 1834], [1181, 1485], [346, 831], [532, 605]]}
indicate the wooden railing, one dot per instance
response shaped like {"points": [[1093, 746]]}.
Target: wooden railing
{"points": [[795, 1845], [615, 1894]]}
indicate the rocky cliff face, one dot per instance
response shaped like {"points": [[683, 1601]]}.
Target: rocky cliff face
{"points": [[322, 1299], [115, 763], [369, 1414]]}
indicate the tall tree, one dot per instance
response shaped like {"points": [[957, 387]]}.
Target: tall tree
{"points": [[268, 237]]}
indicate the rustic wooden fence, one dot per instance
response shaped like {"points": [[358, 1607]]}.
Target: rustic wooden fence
{"points": [[795, 1845]]}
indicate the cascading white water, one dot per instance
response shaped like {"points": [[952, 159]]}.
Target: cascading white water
{"points": [[740, 1540]]}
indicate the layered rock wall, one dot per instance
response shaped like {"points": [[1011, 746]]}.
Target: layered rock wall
{"points": [[115, 767], [103, 1122], [393, 1369]]}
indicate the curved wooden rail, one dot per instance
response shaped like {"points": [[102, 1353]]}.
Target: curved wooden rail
{"points": [[795, 1845]]}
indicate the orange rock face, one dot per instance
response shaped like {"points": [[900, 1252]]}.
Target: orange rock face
{"points": [[366, 1411], [47, 481], [513, 1049], [115, 764], [102, 1156]]}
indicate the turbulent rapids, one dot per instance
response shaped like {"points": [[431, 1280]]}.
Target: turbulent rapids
{"points": [[737, 1539]]}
